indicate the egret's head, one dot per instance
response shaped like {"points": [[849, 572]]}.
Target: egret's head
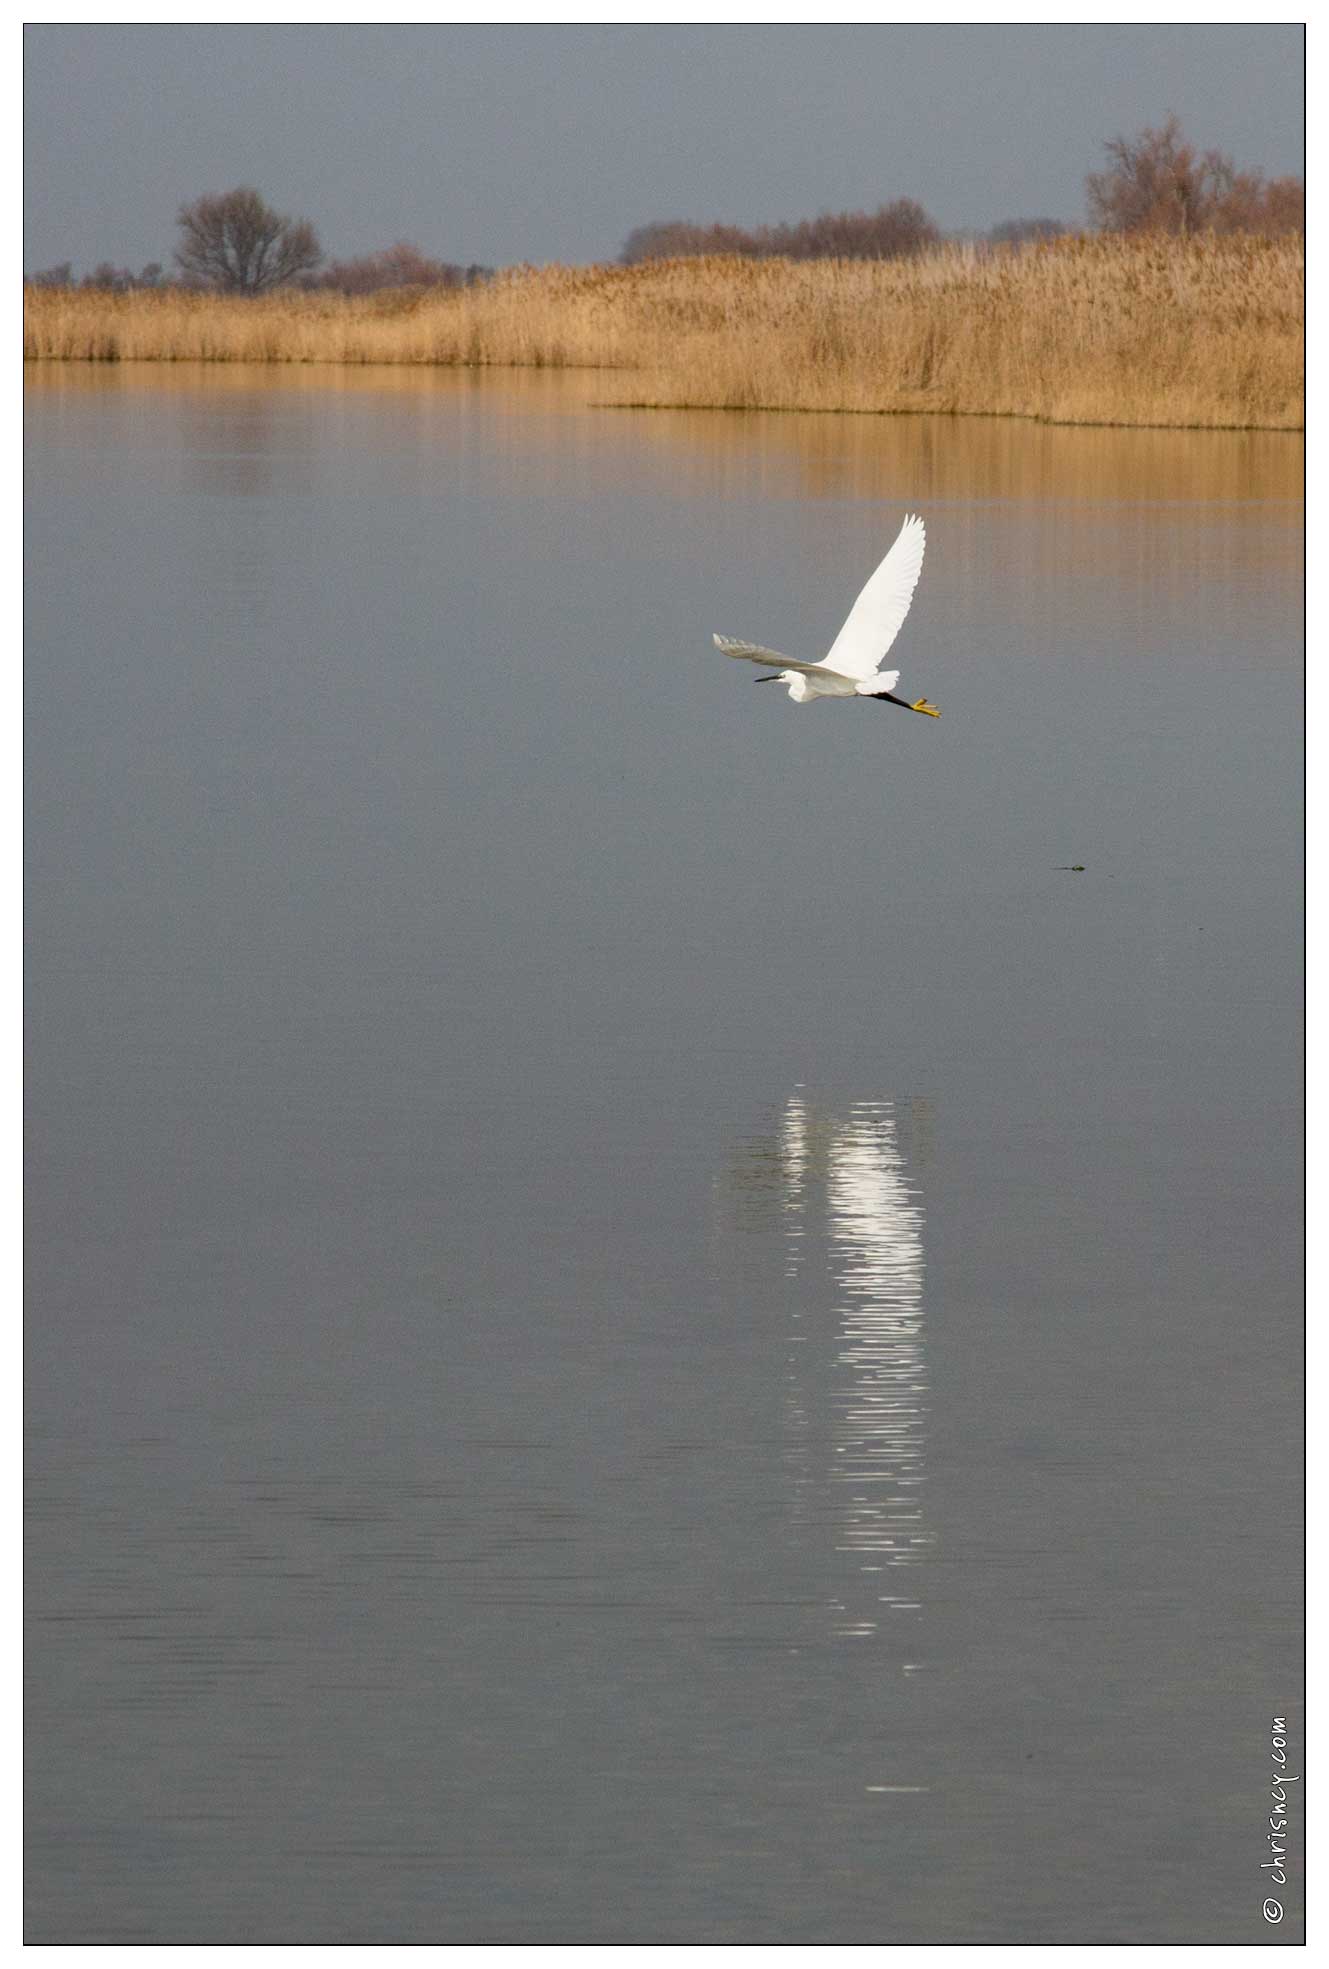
{"points": [[798, 688]]}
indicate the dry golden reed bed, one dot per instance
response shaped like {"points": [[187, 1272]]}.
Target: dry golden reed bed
{"points": [[1200, 332]]}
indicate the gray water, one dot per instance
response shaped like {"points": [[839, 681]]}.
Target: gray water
{"points": [[647, 1321]]}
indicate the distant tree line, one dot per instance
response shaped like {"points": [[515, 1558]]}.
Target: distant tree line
{"points": [[116, 280], [235, 243], [1157, 181], [893, 232], [1154, 182]]}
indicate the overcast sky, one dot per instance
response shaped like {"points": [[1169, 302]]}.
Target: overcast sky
{"points": [[497, 144]]}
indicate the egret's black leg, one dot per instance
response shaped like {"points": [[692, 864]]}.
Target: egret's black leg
{"points": [[889, 697]]}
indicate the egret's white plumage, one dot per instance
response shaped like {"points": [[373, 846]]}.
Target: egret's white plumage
{"points": [[850, 667]]}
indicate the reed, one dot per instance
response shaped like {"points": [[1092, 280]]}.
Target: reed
{"points": [[1202, 332]]}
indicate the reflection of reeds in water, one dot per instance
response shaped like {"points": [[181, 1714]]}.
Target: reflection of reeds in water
{"points": [[961, 459], [1198, 332], [536, 418]]}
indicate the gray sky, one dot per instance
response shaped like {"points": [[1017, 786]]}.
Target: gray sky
{"points": [[551, 143]]}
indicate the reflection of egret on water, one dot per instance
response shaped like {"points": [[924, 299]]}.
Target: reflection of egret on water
{"points": [[876, 1233], [855, 1377]]}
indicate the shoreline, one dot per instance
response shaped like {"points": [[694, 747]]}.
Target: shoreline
{"points": [[38, 366]]}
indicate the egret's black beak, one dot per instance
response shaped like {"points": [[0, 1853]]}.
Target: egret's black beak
{"points": [[767, 680]]}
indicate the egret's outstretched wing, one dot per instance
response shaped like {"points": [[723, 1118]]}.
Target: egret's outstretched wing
{"points": [[754, 653], [874, 620]]}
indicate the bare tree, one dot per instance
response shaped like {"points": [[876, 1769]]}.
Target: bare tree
{"points": [[1158, 182], [1154, 183], [57, 276], [232, 241]]}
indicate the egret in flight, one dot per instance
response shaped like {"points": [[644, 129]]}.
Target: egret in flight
{"points": [[851, 667]]}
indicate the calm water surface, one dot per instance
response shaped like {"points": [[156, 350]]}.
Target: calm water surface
{"points": [[646, 1321]]}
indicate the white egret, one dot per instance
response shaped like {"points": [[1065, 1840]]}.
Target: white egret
{"points": [[850, 666]]}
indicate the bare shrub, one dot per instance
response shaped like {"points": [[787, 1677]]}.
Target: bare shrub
{"points": [[1019, 232], [1284, 206], [110, 279], [680, 239], [892, 232], [402, 265], [1244, 201]]}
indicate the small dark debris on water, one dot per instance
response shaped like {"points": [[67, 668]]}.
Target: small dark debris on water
{"points": [[1070, 867]]}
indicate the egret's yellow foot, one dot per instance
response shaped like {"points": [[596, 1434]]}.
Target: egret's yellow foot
{"points": [[928, 710]]}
